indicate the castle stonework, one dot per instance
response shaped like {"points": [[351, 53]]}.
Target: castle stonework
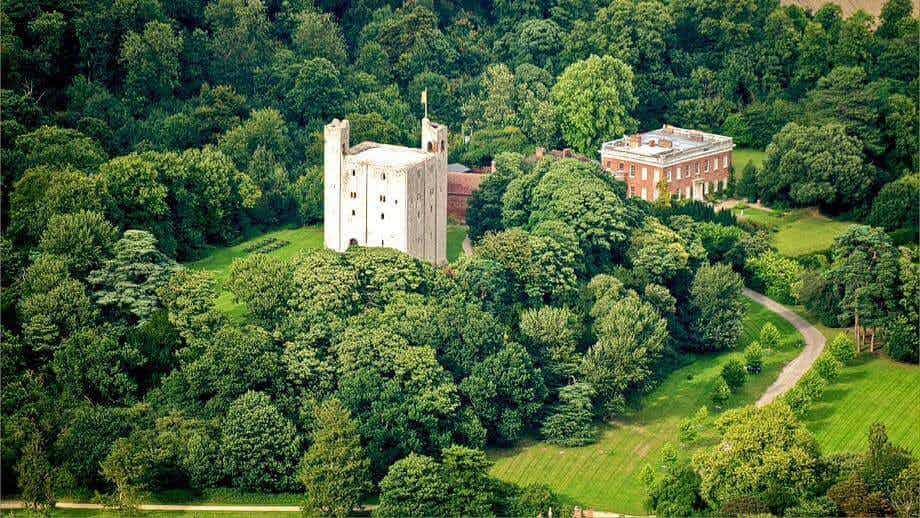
{"points": [[386, 196]]}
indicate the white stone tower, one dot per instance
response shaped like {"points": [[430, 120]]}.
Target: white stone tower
{"points": [[384, 195]]}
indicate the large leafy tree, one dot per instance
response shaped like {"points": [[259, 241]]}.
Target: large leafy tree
{"points": [[239, 40], [151, 62], [763, 453], [809, 165], [260, 448], [506, 392], [865, 268], [593, 100], [844, 96], [457, 486], [83, 239], [52, 306], [631, 337]]}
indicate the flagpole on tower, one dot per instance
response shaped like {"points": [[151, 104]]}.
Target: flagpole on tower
{"points": [[425, 101]]}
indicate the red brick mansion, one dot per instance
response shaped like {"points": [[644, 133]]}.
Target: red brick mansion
{"points": [[693, 163]]}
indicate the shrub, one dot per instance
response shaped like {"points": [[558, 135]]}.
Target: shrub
{"points": [[733, 372], [805, 392], [769, 336], [828, 367], [690, 427], [753, 357], [774, 275], [821, 506], [842, 348], [720, 392], [745, 505]]}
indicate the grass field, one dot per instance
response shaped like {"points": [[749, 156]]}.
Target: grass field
{"points": [[604, 475], [874, 389], [798, 232], [742, 155]]}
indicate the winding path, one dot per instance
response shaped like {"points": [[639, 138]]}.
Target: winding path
{"points": [[794, 370]]}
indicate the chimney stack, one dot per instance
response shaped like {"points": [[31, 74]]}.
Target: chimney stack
{"points": [[566, 152], [540, 153], [635, 140]]}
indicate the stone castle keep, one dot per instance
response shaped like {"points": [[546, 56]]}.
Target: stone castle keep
{"points": [[385, 195]]}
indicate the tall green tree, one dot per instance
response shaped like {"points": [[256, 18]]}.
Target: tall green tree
{"points": [[259, 446], [151, 62], [335, 471], [715, 297], [865, 267], [593, 100]]}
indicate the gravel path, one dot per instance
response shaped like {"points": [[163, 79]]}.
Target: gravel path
{"points": [[794, 370]]}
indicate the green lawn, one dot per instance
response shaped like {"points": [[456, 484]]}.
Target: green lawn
{"points": [[798, 232], [455, 236], [302, 238], [604, 475], [742, 155], [874, 389]]}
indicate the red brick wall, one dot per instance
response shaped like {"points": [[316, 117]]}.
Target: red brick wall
{"points": [[634, 183], [456, 206], [460, 186]]}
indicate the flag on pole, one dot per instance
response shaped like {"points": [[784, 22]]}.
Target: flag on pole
{"points": [[425, 101]]}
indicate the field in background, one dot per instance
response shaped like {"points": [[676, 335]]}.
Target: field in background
{"points": [[798, 232], [873, 7], [604, 475], [742, 155], [874, 389]]}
